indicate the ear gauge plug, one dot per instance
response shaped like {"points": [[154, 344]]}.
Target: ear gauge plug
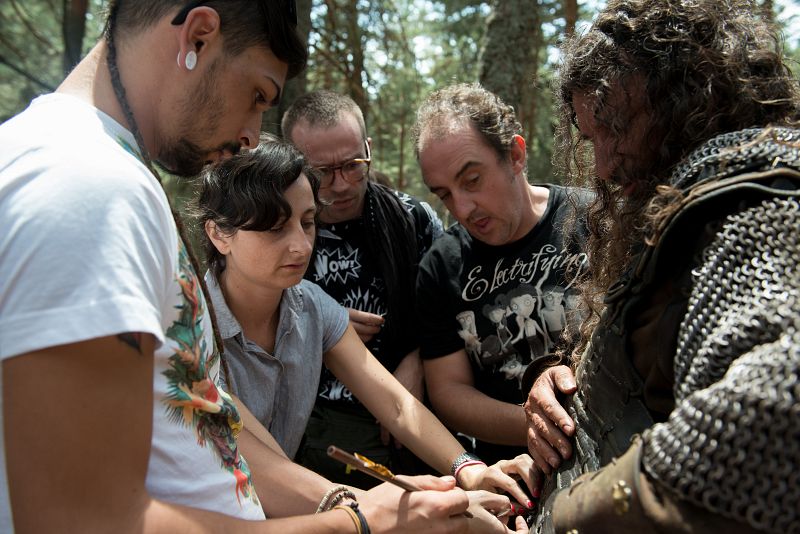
{"points": [[191, 59]]}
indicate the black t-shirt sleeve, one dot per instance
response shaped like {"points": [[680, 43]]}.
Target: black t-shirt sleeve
{"points": [[438, 327], [427, 227], [428, 224]]}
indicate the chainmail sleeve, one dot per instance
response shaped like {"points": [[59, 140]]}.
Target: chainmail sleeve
{"points": [[732, 444]]}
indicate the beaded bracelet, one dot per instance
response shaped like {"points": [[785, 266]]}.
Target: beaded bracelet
{"points": [[326, 503], [339, 497]]}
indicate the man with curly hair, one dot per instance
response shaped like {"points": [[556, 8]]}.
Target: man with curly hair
{"points": [[508, 248], [683, 116]]}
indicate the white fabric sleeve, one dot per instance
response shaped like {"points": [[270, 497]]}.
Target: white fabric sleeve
{"points": [[85, 255]]}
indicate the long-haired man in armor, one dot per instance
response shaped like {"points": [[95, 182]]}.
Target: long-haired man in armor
{"points": [[679, 411]]}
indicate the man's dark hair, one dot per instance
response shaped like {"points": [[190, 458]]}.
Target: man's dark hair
{"points": [[243, 24], [451, 106], [321, 108], [705, 67], [246, 192]]}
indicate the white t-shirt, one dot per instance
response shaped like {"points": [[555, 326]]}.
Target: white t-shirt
{"points": [[88, 248]]}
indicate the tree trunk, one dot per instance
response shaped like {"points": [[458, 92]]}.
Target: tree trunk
{"points": [[509, 57], [570, 16], [528, 115], [294, 88], [355, 45], [73, 26]]}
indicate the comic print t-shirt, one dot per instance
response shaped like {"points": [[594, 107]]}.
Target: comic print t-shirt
{"points": [[344, 267], [505, 305]]}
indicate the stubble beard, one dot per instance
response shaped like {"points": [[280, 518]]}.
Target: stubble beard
{"points": [[201, 113]]}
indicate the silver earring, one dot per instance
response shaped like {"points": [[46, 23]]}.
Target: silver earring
{"points": [[191, 59]]}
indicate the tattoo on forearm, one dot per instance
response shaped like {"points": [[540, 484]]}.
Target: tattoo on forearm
{"points": [[132, 339]]}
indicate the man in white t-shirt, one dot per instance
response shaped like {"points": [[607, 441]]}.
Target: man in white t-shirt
{"points": [[111, 412]]}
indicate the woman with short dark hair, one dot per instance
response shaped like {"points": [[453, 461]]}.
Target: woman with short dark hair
{"points": [[258, 211]]}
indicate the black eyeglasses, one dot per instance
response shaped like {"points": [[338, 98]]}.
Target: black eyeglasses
{"points": [[352, 171], [180, 18]]}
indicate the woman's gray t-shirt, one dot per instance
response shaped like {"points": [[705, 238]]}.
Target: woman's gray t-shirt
{"points": [[280, 389]]}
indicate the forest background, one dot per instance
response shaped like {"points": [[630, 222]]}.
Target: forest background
{"points": [[386, 54]]}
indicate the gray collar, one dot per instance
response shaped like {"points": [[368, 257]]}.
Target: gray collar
{"points": [[229, 327]]}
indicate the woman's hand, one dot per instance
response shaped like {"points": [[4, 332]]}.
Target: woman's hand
{"points": [[484, 507], [496, 478]]}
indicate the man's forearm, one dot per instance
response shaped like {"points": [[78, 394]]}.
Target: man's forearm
{"points": [[465, 409], [283, 487], [174, 519], [411, 374]]}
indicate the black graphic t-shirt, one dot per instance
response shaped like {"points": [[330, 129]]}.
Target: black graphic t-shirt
{"points": [[506, 306], [345, 269]]}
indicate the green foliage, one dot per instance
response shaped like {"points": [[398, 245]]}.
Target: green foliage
{"points": [[457, 31], [32, 47], [791, 40], [387, 54]]}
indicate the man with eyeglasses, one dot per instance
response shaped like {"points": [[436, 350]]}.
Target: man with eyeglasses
{"points": [[113, 416], [369, 244]]}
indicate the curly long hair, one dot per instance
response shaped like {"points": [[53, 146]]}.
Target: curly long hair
{"points": [[705, 67]]}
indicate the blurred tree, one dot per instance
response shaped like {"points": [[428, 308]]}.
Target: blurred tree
{"points": [[570, 16], [509, 57], [396, 86], [295, 87], [456, 32], [521, 40], [40, 41], [73, 27], [337, 39]]}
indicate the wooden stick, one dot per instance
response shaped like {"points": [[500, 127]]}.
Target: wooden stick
{"points": [[369, 467], [365, 465]]}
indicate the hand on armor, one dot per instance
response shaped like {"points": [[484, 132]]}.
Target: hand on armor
{"points": [[548, 423], [484, 507], [365, 324], [495, 478]]}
